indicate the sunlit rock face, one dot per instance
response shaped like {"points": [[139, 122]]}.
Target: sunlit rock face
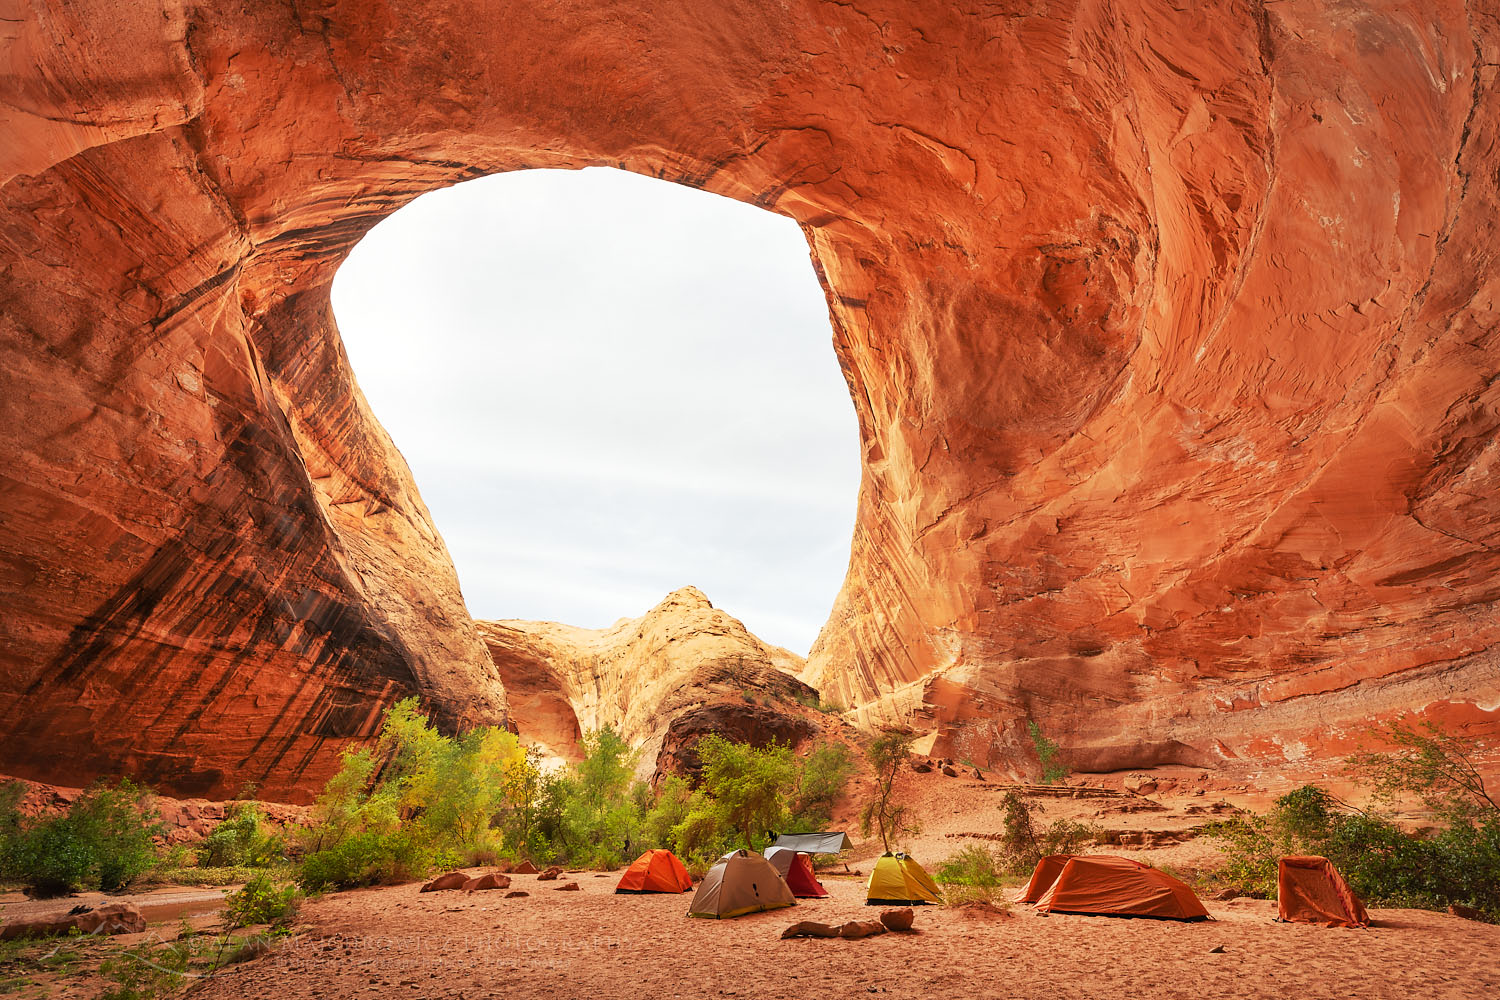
{"points": [[1171, 334], [662, 681]]}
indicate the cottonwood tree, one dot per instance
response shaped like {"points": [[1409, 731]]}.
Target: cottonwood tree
{"points": [[747, 784], [893, 820]]}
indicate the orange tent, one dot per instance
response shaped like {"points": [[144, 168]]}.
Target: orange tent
{"points": [[796, 868], [1046, 873], [1118, 887], [1310, 890], [655, 871]]}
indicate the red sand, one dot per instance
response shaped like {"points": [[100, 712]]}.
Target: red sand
{"points": [[594, 943]]}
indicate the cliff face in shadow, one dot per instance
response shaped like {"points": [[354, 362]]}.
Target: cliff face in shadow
{"points": [[1171, 335]]}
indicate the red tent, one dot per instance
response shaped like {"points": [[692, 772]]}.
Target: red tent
{"points": [[655, 871], [796, 868], [1118, 887], [1310, 890], [1042, 878]]}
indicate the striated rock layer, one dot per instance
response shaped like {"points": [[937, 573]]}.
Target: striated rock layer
{"points": [[1171, 330], [680, 671]]}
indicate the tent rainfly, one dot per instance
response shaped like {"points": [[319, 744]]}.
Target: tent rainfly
{"points": [[1310, 890], [655, 871], [814, 843], [742, 882], [898, 880], [797, 869], [1042, 878], [1107, 886]]}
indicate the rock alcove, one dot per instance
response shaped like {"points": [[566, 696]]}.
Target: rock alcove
{"points": [[1171, 335]]}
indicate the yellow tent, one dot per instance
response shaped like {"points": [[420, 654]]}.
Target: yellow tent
{"points": [[899, 881]]}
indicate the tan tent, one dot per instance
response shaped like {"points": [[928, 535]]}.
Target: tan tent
{"points": [[742, 882]]}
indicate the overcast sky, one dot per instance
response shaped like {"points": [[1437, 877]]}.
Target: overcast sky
{"points": [[609, 387]]}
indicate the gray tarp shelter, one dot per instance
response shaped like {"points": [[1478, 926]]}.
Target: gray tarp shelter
{"points": [[814, 843]]}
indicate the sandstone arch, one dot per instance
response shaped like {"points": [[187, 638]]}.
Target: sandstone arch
{"points": [[1171, 335]]}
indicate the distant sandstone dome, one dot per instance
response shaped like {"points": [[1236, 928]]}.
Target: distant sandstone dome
{"points": [[1171, 335]]}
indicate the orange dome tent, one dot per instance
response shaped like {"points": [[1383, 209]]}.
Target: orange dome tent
{"points": [[1310, 890], [655, 871], [796, 868], [1107, 886], [1042, 878]]}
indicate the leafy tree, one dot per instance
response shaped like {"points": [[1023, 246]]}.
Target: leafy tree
{"points": [[1435, 766], [746, 783], [1024, 843], [822, 779], [240, 838], [882, 813], [105, 840], [604, 773], [524, 785]]}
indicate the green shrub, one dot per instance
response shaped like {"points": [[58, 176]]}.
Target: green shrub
{"points": [[1384, 864], [368, 857], [104, 840], [240, 840], [824, 774], [415, 800], [1025, 843], [261, 902], [1047, 755], [147, 971], [971, 866], [746, 784]]}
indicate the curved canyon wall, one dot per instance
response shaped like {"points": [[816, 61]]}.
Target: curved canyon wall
{"points": [[676, 673], [1171, 333]]}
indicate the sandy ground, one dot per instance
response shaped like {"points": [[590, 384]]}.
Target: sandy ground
{"points": [[593, 943]]}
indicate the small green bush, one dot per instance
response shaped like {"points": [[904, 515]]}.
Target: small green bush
{"points": [[1025, 843], [1047, 755], [971, 866], [261, 902], [366, 858], [104, 840], [147, 971], [240, 840]]}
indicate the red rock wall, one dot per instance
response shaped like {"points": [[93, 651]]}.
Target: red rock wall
{"points": [[1171, 334]]}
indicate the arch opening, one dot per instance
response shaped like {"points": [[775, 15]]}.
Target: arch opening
{"points": [[608, 387]]}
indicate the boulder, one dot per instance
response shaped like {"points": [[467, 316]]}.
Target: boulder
{"points": [[861, 929], [550, 874], [524, 868], [114, 918], [949, 771], [1141, 784], [566, 887], [452, 880], [810, 928], [494, 880], [516, 894], [898, 920]]}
